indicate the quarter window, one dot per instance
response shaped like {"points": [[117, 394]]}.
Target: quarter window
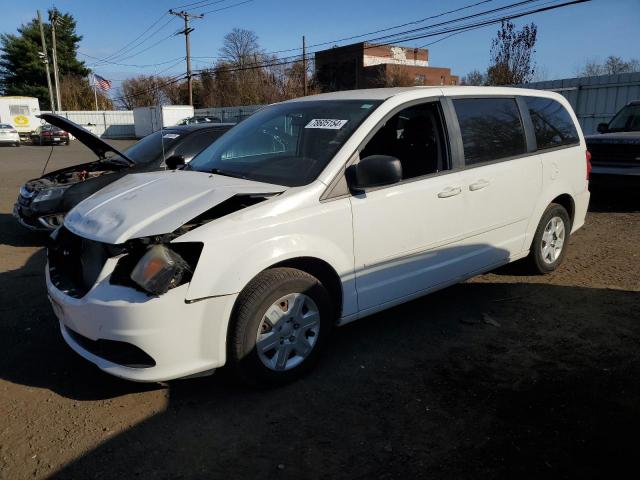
{"points": [[491, 128], [552, 123]]}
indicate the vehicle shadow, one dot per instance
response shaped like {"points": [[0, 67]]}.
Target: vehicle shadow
{"points": [[12, 233], [457, 384], [429, 388], [33, 352], [612, 198]]}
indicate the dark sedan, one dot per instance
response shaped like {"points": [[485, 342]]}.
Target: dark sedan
{"points": [[49, 135], [43, 202]]}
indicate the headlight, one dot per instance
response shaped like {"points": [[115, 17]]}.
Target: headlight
{"points": [[49, 194], [159, 270]]}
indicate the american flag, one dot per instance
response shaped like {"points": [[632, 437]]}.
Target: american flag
{"points": [[101, 83]]}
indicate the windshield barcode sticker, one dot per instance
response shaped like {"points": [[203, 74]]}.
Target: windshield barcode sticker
{"points": [[327, 123]]}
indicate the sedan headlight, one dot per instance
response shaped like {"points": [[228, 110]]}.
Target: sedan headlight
{"points": [[49, 194], [159, 270]]}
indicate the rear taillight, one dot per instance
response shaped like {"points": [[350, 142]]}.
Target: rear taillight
{"points": [[588, 155], [46, 134]]}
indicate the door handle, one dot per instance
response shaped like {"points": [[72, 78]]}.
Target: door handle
{"points": [[479, 185], [450, 192]]}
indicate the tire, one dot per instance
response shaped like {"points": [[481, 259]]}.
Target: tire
{"points": [[289, 345], [550, 241]]}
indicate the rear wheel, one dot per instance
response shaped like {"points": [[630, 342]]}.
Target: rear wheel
{"points": [[551, 239], [281, 323]]}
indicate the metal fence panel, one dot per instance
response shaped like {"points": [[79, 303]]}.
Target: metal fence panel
{"points": [[228, 114], [594, 99], [104, 123]]}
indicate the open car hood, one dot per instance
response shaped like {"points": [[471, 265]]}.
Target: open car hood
{"points": [[155, 203], [95, 143]]}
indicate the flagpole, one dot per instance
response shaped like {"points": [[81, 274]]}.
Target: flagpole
{"points": [[95, 92]]}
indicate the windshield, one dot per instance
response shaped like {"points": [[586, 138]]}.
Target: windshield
{"points": [[150, 147], [626, 120], [286, 144]]}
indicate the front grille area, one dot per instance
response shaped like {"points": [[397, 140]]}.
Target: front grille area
{"points": [[122, 353], [614, 154], [75, 262]]}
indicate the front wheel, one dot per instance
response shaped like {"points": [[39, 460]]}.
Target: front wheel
{"points": [[551, 239], [280, 325]]}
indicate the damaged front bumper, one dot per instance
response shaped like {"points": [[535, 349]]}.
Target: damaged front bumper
{"points": [[143, 338]]}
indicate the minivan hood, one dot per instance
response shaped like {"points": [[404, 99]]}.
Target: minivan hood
{"points": [[155, 203], [93, 142], [614, 137]]}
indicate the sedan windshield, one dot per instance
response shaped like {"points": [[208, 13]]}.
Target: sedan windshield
{"points": [[286, 144], [626, 120], [151, 147]]}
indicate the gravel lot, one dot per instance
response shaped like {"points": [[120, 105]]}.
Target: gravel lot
{"points": [[505, 376]]}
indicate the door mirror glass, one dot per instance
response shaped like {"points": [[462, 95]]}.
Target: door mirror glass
{"points": [[603, 127], [174, 162], [374, 171]]}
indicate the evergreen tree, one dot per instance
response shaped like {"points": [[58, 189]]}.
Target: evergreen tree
{"points": [[21, 69]]}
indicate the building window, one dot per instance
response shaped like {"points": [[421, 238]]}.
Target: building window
{"points": [[420, 79], [15, 110]]}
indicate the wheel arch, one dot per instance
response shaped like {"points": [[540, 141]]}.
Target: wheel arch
{"points": [[568, 203], [323, 271]]}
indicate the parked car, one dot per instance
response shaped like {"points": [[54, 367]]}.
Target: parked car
{"points": [[49, 135], [615, 152], [43, 202], [192, 120], [311, 213], [9, 135]]}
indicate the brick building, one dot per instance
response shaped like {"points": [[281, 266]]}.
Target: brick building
{"points": [[363, 65]]}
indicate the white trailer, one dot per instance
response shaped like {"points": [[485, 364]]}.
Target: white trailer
{"points": [[21, 113], [151, 119]]}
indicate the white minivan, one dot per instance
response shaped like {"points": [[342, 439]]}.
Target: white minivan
{"points": [[309, 214]]}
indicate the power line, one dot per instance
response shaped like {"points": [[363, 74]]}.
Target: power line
{"points": [[458, 29], [135, 39], [227, 7], [146, 65], [414, 22], [206, 2], [126, 53]]}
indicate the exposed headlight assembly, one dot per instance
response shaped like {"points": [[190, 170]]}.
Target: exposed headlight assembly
{"points": [[162, 268], [49, 194]]}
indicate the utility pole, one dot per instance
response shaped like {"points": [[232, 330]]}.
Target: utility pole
{"points": [[186, 16], [45, 59], [53, 18], [304, 66]]}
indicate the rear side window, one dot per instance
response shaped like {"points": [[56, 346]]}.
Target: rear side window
{"points": [[491, 128], [552, 123]]}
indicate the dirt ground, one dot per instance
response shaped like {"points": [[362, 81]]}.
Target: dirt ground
{"points": [[504, 376]]}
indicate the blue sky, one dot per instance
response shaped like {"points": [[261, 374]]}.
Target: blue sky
{"points": [[567, 37]]}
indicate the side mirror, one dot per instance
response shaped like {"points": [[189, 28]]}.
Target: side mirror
{"points": [[603, 127], [374, 171], [174, 162]]}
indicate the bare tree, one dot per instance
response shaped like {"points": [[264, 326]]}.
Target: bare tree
{"points": [[613, 65], [474, 77], [140, 91], [512, 55], [240, 47]]}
